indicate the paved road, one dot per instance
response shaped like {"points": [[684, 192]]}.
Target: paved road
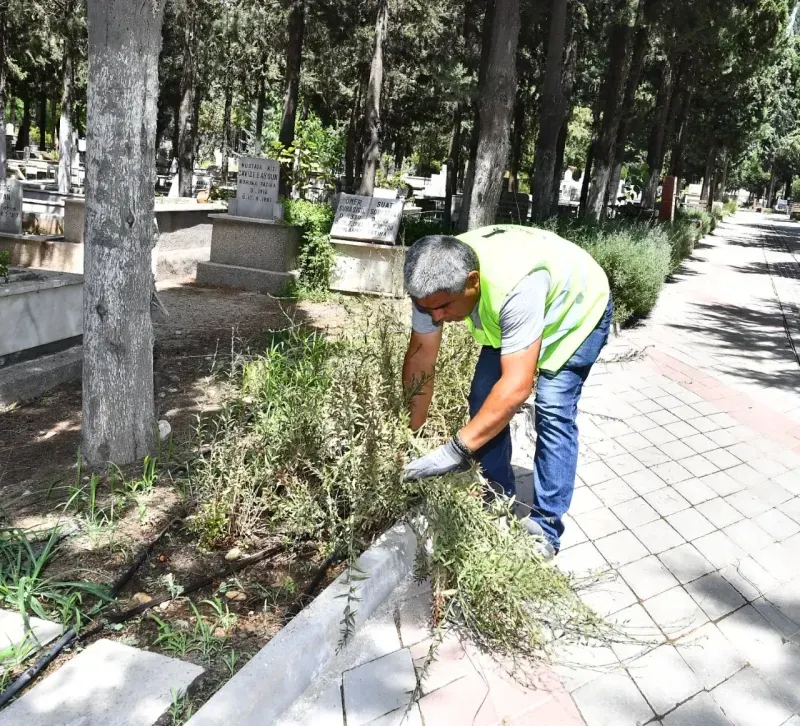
{"points": [[688, 499]]}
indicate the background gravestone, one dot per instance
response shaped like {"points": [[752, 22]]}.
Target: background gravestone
{"points": [[257, 187], [11, 207], [367, 219]]}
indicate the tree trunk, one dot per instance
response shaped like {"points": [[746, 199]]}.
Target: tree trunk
{"points": [[613, 93], [54, 104], [3, 91], [723, 177], [350, 144], [655, 148], [260, 104], [43, 121], [772, 180], [707, 176], [186, 116], [558, 171], [226, 126], [587, 177], [294, 58], [372, 114], [65, 122], [453, 162], [516, 144], [679, 147], [551, 117], [24, 135], [118, 410], [495, 103], [641, 44]]}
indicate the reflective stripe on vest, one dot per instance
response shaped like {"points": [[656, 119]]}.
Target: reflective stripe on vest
{"points": [[578, 293]]}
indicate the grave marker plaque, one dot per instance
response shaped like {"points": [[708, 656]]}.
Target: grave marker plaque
{"points": [[257, 187], [367, 219], [11, 207]]}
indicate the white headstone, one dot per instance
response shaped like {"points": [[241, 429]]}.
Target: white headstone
{"points": [[11, 207], [257, 187], [385, 193], [368, 219], [174, 188]]}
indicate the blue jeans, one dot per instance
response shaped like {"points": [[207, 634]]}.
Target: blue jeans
{"points": [[556, 458]]}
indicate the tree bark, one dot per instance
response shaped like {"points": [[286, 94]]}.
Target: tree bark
{"points": [[226, 127], [65, 149], [186, 116], [558, 171], [260, 104], [655, 147], [3, 91], [723, 176], [587, 177], [516, 143], [118, 409], [551, 117], [350, 144], [453, 163], [294, 59], [24, 135], [43, 121], [772, 181], [679, 147], [707, 176], [372, 114], [495, 104], [641, 44], [613, 93]]}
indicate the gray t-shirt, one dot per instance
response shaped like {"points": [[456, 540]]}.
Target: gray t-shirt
{"points": [[521, 316]]}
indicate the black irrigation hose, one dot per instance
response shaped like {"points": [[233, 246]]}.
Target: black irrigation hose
{"points": [[30, 674], [311, 588]]}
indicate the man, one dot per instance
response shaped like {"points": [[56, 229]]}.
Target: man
{"points": [[533, 301]]}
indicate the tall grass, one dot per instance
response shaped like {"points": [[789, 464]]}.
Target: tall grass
{"points": [[313, 450]]}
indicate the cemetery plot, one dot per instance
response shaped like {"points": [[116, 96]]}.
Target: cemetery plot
{"points": [[257, 187], [367, 219]]}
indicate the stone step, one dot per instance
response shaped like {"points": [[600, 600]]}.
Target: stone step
{"points": [[12, 631], [108, 684], [244, 278]]}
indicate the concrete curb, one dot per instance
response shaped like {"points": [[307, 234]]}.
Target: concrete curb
{"points": [[282, 670]]}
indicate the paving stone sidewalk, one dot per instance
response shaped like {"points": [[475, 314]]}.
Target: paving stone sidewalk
{"points": [[687, 506]]}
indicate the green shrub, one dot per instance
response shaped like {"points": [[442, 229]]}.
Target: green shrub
{"points": [[718, 211], [683, 236], [315, 256], [730, 206], [5, 261], [706, 221], [636, 258]]}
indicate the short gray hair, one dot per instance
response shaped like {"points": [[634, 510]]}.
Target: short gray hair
{"points": [[438, 263]]}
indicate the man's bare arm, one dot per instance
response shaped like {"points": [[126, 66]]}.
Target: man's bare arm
{"points": [[419, 366]]}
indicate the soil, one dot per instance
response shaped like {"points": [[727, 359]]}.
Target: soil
{"points": [[39, 474]]}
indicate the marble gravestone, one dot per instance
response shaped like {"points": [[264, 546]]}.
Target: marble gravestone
{"points": [[257, 187], [10, 207], [367, 219]]}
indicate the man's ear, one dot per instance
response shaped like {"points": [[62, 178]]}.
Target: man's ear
{"points": [[473, 280]]}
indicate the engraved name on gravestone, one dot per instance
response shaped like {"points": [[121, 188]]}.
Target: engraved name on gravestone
{"points": [[367, 219], [257, 187], [11, 207]]}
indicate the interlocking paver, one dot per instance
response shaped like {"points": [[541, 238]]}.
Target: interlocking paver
{"points": [[675, 612], [448, 663], [573, 534], [787, 628], [581, 560], [664, 678], [635, 633], [634, 442], [719, 512], [792, 509], [463, 701], [722, 459], [747, 700], [599, 523], [607, 448], [702, 709], [686, 563], [779, 561], [687, 413], [666, 501], [710, 655], [607, 594], [584, 500], [676, 450], [748, 504], [715, 595], [624, 464], [690, 524], [664, 418], [648, 577], [612, 700], [658, 435], [790, 481], [751, 635], [699, 465], [635, 512], [378, 687], [671, 472], [770, 492], [644, 482], [613, 491], [595, 473], [681, 429], [621, 548], [700, 443], [658, 536], [749, 578], [722, 483], [768, 466], [718, 549], [749, 536], [694, 491]]}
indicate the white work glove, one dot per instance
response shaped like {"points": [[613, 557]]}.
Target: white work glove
{"points": [[453, 456]]}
